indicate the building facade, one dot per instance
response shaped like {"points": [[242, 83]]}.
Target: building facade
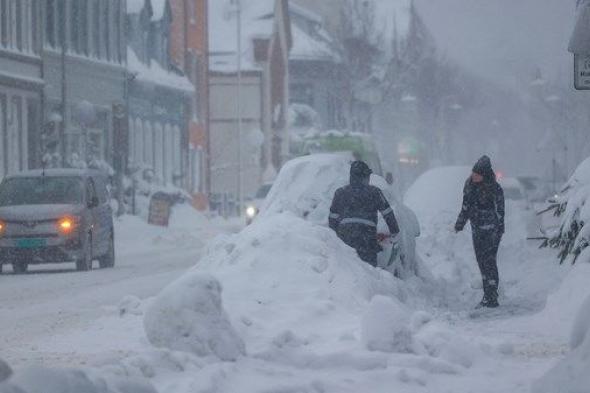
{"points": [[315, 80], [248, 130], [84, 57], [189, 51], [160, 96], [21, 83]]}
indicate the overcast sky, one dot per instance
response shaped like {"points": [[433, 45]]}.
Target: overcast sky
{"points": [[505, 40]]}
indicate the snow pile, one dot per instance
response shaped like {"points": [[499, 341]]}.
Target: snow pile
{"points": [[188, 315], [562, 305], [385, 326], [48, 380], [187, 228], [571, 374], [285, 275], [436, 198]]}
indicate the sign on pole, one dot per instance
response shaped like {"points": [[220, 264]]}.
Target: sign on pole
{"points": [[581, 72]]}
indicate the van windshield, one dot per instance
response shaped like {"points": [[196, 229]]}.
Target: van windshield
{"points": [[41, 191]]}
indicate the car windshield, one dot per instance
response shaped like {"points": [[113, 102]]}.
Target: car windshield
{"points": [[263, 191], [41, 191]]}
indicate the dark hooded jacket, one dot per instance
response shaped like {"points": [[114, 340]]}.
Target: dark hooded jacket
{"points": [[353, 214], [483, 203]]}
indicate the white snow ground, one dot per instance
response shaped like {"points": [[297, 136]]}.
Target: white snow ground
{"points": [[59, 317], [312, 316]]}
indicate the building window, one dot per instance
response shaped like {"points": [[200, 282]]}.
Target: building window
{"points": [[159, 151], [59, 20], [106, 30], [149, 145], [50, 23], [177, 155], [83, 27], [3, 24], [75, 26], [3, 129], [96, 28], [192, 11]]}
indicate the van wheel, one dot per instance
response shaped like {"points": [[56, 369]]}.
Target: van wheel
{"points": [[20, 267], [108, 260], [84, 264]]}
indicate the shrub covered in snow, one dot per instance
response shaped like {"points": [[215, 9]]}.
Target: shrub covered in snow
{"points": [[571, 374], [188, 315], [573, 207]]}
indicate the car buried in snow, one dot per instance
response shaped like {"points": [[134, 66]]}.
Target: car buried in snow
{"points": [[55, 216], [306, 185], [253, 206]]}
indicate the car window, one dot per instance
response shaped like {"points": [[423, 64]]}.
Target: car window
{"points": [[41, 191], [263, 191]]}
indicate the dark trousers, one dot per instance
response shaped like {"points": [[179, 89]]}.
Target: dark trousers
{"points": [[369, 256], [486, 244], [363, 239]]}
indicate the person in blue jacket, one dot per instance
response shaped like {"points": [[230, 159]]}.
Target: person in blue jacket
{"points": [[483, 207], [353, 214]]}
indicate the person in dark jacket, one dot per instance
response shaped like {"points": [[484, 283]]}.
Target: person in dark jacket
{"points": [[483, 206], [353, 214]]}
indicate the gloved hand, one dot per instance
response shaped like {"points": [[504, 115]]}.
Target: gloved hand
{"points": [[458, 228]]}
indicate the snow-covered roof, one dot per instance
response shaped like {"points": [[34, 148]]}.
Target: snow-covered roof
{"points": [[156, 74], [307, 47], [257, 22], [135, 6], [304, 12]]}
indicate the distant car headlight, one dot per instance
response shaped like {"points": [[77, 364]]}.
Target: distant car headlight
{"points": [[2, 227], [251, 211]]}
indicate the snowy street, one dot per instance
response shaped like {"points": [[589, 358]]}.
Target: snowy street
{"points": [[55, 301]]}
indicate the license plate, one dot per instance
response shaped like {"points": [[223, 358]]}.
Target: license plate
{"points": [[30, 243]]}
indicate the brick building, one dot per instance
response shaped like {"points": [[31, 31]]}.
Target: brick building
{"points": [[189, 47]]}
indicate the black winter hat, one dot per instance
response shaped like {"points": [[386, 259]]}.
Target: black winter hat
{"points": [[359, 169], [483, 167]]}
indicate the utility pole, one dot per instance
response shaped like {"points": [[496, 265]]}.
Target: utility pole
{"points": [[239, 104]]}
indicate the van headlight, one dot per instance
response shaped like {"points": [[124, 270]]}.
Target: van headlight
{"points": [[251, 211]]}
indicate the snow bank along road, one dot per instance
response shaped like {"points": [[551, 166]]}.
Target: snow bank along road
{"points": [[56, 301]]}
